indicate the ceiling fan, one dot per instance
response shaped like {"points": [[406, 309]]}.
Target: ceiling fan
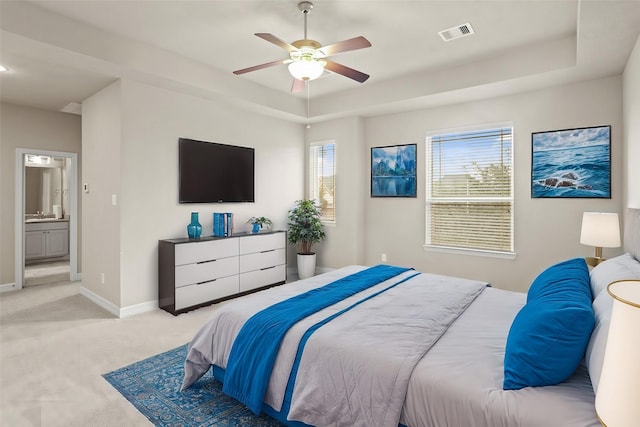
{"points": [[308, 58]]}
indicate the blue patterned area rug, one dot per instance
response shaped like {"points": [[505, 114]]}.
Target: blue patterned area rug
{"points": [[153, 387]]}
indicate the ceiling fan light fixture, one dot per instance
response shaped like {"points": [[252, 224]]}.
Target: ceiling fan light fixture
{"points": [[306, 69]]}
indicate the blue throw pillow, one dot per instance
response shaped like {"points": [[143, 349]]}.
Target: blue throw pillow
{"points": [[549, 335], [571, 276]]}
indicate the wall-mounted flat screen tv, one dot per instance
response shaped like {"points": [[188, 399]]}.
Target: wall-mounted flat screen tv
{"points": [[215, 173]]}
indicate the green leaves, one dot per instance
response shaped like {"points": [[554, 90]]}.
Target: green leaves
{"points": [[260, 220], [305, 225]]}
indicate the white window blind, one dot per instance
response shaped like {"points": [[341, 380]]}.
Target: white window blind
{"points": [[322, 178], [469, 200]]}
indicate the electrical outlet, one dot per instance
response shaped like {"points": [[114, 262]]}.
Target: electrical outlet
{"points": [[384, 258], [102, 278]]}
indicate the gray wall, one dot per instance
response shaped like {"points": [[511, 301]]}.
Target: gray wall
{"points": [[148, 122], [30, 128], [546, 230], [345, 240], [130, 146], [631, 96]]}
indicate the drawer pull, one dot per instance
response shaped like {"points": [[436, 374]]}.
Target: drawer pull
{"points": [[204, 262], [206, 281], [268, 268]]}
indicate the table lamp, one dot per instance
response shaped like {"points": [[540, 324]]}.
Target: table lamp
{"points": [[599, 229], [618, 396]]}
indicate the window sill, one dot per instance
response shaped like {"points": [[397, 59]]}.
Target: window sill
{"points": [[473, 252]]}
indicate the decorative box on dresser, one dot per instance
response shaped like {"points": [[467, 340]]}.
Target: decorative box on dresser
{"points": [[193, 273]]}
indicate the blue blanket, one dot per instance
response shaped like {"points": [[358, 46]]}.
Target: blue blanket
{"points": [[254, 350]]}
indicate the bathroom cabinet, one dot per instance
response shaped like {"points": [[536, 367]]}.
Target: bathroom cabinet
{"points": [[46, 240], [193, 273]]}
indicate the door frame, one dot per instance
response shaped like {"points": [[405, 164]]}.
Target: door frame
{"points": [[19, 212]]}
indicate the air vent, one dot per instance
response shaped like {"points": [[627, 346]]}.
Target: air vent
{"points": [[456, 32]]}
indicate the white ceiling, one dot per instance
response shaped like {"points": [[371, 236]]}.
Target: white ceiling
{"points": [[61, 51]]}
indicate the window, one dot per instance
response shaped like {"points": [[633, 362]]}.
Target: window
{"points": [[322, 178], [469, 200]]}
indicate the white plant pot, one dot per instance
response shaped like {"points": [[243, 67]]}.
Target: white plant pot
{"points": [[306, 266]]}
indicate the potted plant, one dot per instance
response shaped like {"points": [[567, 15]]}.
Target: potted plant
{"points": [[258, 222], [305, 229]]}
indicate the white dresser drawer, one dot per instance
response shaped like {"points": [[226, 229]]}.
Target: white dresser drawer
{"points": [[259, 278], [259, 260], [188, 253], [264, 242], [190, 274], [188, 296]]}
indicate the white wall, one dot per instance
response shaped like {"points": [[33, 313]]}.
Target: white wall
{"points": [[30, 128], [546, 230], [152, 120], [631, 97]]}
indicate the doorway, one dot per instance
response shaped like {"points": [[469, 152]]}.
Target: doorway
{"points": [[56, 207]]}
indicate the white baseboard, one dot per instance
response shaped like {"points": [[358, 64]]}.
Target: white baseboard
{"points": [[7, 287], [98, 300], [120, 313], [138, 308]]}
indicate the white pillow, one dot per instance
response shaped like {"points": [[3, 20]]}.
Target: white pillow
{"points": [[623, 267], [597, 343]]}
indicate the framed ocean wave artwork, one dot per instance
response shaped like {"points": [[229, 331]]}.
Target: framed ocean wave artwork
{"points": [[393, 171], [571, 163]]}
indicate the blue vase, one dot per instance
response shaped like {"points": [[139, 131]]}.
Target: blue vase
{"points": [[256, 227], [194, 229]]}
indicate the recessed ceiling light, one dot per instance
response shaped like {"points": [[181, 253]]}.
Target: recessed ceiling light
{"points": [[3, 68]]}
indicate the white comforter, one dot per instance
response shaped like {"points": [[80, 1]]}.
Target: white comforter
{"points": [[354, 370]]}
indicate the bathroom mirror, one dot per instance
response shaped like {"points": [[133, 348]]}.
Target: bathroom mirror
{"points": [[46, 185]]}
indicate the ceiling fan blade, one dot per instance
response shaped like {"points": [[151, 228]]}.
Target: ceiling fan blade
{"points": [[298, 85], [260, 67], [345, 46], [346, 71], [273, 39]]}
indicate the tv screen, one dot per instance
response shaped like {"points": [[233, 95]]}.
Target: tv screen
{"points": [[215, 173]]}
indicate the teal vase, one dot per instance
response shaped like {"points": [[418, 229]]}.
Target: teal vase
{"points": [[256, 227], [194, 229]]}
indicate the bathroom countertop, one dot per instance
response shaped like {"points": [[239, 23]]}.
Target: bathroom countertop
{"points": [[32, 220]]}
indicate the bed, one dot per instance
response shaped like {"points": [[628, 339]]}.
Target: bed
{"points": [[411, 349]]}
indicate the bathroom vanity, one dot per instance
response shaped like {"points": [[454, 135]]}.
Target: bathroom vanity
{"points": [[46, 238]]}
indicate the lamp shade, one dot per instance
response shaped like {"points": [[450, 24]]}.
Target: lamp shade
{"points": [[600, 229], [618, 396], [306, 69]]}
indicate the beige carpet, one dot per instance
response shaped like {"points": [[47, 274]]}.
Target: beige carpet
{"points": [[46, 272], [54, 346]]}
